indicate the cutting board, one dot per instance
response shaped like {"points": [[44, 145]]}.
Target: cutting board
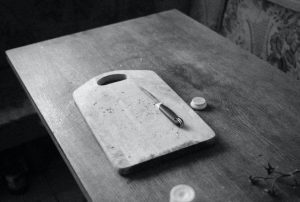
{"points": [[127, 125]]}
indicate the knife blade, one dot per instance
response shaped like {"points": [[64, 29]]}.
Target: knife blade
{"points": [[170, 114]]}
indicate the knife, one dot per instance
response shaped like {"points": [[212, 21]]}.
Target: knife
{"points": [[164, 109]]}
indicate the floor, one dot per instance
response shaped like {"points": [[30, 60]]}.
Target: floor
{"points": [[49, 178]]}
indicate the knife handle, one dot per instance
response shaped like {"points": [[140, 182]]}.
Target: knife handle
{"points": [[171, 115]]}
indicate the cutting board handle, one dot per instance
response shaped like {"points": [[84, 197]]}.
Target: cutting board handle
{"points": [[112, 78]]}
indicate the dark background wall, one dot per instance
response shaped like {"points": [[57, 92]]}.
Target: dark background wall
{"points": [[25, 22]]}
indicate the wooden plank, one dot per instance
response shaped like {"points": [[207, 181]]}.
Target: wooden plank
{"points": [[61, 182], [254, 108], [38, 190], [6, 196], [127, 123]]}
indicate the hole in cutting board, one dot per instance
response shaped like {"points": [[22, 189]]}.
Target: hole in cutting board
{"points": [[111, 79]]}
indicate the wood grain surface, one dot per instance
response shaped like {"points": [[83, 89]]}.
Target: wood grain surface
{"points": [[253, 107], [131, 130]]}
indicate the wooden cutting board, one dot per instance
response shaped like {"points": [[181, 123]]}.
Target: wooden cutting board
{"points": [[129, 128]]}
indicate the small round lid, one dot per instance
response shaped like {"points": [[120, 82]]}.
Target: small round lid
{"points": [[182, 193], [198, 103]]}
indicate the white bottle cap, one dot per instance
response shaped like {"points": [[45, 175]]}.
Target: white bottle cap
{"points": [[182, 193], [198, 103]]}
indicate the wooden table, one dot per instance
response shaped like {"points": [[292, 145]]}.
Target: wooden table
{"points": [[253, 107]]}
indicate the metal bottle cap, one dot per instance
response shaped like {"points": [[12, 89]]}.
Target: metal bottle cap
{"points": [[198, 103], [182, 193]]}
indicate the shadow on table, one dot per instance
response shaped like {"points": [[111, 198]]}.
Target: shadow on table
{"points": [[182, 158]]}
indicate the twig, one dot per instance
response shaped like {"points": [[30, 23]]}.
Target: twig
{"points": [[275, 175]]}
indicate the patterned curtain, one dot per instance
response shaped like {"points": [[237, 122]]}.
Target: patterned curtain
{"points": [[270, 31]]}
